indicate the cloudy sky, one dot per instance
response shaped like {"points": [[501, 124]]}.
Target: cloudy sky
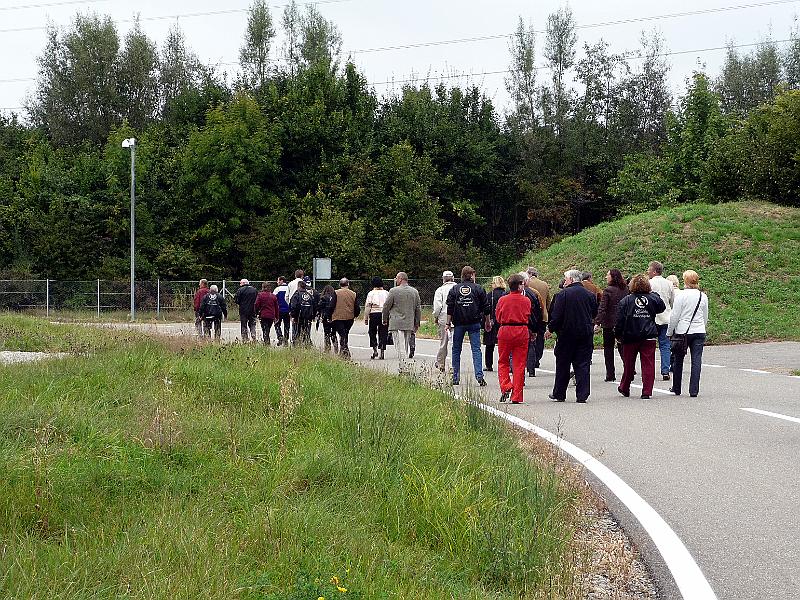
{"points": [[372, 30]]}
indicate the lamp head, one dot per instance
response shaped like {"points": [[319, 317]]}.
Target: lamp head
{"points": [[129, 143]]}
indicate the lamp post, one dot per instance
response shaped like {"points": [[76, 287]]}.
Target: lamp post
{"points": [[130, 143]]}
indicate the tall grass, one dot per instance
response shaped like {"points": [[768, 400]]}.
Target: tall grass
{"points": [[165, 469]]}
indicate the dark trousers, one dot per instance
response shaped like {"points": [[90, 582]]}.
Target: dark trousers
{"points": [[695, 343], [646, 349], [532, 361], [539, 346], [330, 337], [488, 355], [216, 323], [609, 341], [378, 332], [576, 353], [284, 318], [266, 325], [301, 330], [342, 329], [248, 326]]}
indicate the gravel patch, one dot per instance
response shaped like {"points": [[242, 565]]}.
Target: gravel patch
{"points": [[9, 358]]}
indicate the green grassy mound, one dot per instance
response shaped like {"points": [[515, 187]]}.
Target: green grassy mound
{"points": [[747, 255], [150, 468]]}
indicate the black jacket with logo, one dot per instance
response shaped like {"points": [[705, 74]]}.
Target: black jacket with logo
{"points": [[467, 303], [636, 317]]}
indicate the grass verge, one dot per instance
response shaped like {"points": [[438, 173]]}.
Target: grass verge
{"points": [[745, 252], [155, 468]]}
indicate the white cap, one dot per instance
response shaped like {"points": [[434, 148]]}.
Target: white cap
{"points": [[244, 282], [447, 274]]}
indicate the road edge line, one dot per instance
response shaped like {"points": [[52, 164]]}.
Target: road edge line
{"points": [[687, 575]]}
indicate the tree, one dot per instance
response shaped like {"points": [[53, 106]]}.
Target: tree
{"points": [[180, 70], [254, 54], [751, 80], [521, 82], [320, 41], [137, 78], [291, 31], [559, 51]]}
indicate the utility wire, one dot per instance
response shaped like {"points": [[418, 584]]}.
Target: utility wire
{"points": [[483, 38], [50, 4]]}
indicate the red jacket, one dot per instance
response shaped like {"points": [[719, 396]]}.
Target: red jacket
{"points": [[198, 298], [266, 306], [513, 309]]}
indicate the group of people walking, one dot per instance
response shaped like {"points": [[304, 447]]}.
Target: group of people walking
{"points": [[635, 316]]}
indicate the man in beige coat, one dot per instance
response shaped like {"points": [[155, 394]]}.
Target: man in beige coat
{"points": [[402, 312], [440, 316], [345, 313]]}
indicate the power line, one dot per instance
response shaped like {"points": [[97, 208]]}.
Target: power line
{"points": [[483, 38], [209, 13], [50, 4], [506, 71]]}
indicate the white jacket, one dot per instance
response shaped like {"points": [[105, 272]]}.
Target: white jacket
{"points": [[682, 310], [440, 301], [663, 287]]}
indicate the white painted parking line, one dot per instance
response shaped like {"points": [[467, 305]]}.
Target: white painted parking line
{"points": [[687, 574], [756, 371], [766, 413]]}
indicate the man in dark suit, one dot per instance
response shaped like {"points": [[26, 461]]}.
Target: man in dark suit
{"points": [[571, 316]]}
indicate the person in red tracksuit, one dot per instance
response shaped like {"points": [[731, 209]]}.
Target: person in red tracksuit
{"points": [[514, 313]]}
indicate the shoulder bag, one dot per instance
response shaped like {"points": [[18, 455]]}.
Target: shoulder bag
{"points": [[678, 342]]}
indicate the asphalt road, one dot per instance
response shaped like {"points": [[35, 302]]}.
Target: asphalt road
{"points": [[726, 480]]}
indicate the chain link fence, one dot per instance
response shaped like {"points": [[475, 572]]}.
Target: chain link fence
{"points": [[159, 297]]}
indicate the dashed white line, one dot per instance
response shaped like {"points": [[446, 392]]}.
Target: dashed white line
{"points": [[710, 366], [756, 371], [687, 574], [655, 389], [766, 413]]}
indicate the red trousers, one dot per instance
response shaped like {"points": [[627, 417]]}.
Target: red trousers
{"points": [[646, 349], [512, 344]]}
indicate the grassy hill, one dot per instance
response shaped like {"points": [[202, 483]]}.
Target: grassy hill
{"points": [[747, 255], [160, 468]]}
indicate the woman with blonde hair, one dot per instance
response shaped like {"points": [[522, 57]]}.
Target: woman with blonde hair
{"points": [[637, 330], [688, 323], [490, 336]]}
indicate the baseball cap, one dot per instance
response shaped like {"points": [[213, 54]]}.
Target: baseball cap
{"points": [[244, 282], [307, 279], [447, 274]]}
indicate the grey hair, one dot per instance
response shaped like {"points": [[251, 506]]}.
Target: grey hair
{"points": [[656, 267], [573, 274], [524, 275], [402, 276], [203, 282], [213, 289], [533, 272], [586, 275], [447, 278], [344, 282]]}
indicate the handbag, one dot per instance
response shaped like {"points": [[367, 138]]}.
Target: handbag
{"points": [[679, 344]]}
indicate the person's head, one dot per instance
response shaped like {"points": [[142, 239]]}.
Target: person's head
{"points": [[614, 277], [328, 291], [204, 283], [498, 282], [673, 279], [572, 276], [344, 282], [654, 269], [267, 286], [525, 277], [301, 285], [467, 273], [213, 289], [586, 276], [281, 280], [307, 281], [299, 274], [448, 276], [377, 283], [401, 278], [691, 279], [640, 284], [516, 282], [244, 282], [532, 272]]}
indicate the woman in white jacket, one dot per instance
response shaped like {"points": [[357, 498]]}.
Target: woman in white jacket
{"points": [[689, 316]]}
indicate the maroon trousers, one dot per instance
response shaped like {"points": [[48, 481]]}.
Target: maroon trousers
{"points": [[512, 344], [646, 349]]}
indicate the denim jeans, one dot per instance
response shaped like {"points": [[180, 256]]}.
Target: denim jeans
{"points": [[695, 342], [664, 347], [474, 332]]}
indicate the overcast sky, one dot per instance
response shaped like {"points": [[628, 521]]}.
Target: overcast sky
{"points": [[370, 24]]}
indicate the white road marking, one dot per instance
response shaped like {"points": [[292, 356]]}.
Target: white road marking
{"points": [[655, 389], [714, 366], [687, 574], [766, 413], [756, 371]]}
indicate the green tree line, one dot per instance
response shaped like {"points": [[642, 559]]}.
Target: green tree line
{"points": [[297, 156]]}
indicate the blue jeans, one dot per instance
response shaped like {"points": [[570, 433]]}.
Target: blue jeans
{"points": [[474, 332], [664, 347]]}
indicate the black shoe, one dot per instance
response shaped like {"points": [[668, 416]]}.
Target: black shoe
{"points": [[382, 357], [665, 376], [645, 397], [554, 399], [611, 378], [482, 382], [411, 353], [490, 369], [581, 401], [692, 395], [455, 381], [626, 394], [532, 374], [374, 354], [505, 396]]}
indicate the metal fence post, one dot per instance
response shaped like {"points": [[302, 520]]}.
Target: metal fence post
{"points": [[158, 298], [98, 298], [47, 298], [223, 288]]}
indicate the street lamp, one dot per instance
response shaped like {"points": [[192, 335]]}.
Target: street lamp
{"points": [[130, 143]]}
